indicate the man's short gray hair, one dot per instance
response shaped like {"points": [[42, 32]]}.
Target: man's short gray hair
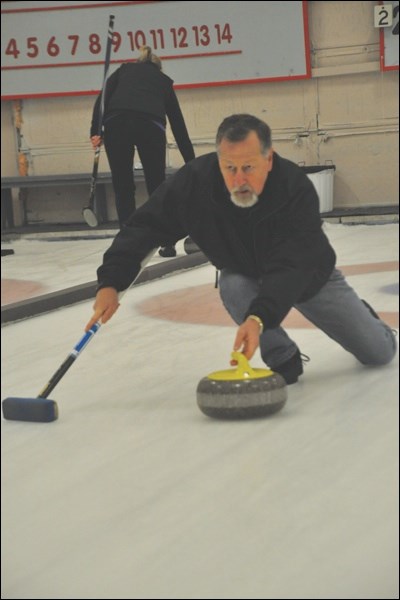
{"points": [[236, 128]]}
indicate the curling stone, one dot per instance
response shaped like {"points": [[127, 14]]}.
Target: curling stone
{"points": [[241, 393]]}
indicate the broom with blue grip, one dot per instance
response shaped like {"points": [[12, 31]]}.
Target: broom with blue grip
{"points": [[41, 409]]}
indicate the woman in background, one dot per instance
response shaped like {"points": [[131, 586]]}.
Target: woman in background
{"points": [[138, 99]]}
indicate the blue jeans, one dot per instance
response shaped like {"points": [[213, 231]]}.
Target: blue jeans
{"points": [[335, 309]]}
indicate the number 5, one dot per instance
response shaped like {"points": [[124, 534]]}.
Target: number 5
{"points": [[32, 47]]}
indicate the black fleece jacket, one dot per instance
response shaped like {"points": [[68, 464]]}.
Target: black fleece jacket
{"points": [[279, 241], [141, 87]]}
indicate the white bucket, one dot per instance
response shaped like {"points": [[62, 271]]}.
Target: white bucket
{"points": [[323, 183]]}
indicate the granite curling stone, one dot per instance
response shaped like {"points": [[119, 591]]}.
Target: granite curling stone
{"points": [[241, 393]]}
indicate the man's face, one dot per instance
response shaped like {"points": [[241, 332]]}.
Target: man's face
{"points": [[244, 168]]}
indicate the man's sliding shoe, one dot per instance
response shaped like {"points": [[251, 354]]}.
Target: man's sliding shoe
{"points": [[189, 246], [292, 368], [167, 251]]}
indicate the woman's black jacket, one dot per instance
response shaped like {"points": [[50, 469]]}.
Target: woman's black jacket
{"points": [[142, 88]]}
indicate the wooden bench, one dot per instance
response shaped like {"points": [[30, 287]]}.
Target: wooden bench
{"points": [[63, 180]]}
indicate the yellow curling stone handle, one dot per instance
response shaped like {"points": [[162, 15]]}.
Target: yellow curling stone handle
{"points": [[241, 372]]}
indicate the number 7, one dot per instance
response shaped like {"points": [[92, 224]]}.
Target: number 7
{"points": [[75, 40]]}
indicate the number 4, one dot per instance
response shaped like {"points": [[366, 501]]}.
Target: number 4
{"points": [[12, 49]]}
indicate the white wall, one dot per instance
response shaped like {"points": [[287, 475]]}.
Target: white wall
{"points": [[347, 114]]}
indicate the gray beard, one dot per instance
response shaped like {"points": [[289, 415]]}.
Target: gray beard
{"points": [[246, 202]]}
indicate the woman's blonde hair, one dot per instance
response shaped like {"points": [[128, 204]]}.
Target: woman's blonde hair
{"points": [[146, 55]]}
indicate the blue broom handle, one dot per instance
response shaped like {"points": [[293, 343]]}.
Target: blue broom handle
{"points": [[85, 339], [83, 342], [69, 361]]}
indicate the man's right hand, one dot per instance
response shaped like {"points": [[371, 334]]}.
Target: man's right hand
{"points": [[105, 305]]}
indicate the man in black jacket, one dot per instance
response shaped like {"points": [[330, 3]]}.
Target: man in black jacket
{"points": [[255, 215]]}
